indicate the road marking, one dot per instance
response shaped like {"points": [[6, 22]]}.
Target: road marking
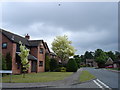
{"points": [[97, 84], [103, 84]]}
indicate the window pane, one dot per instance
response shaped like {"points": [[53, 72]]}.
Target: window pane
{"points": [[40, 63], [41, 50], [4, 45]]}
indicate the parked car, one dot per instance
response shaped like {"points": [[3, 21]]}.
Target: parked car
{"points": [[109, 67]]}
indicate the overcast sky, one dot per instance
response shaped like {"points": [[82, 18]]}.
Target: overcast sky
{"points": [[89, 25]]}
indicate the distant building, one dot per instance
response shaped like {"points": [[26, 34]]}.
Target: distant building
{"points": [[116, 64], [109, 62], [38, 51], [91, 63]]}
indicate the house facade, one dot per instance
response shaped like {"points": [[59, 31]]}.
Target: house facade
{"points": [[91, 63], [38, 51]]}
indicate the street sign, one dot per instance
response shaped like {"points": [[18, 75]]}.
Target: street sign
{"points": [[5, 71]]}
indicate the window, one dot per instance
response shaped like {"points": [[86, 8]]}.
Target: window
{"points": [[40, 63], [4, 45], [41, 50]]}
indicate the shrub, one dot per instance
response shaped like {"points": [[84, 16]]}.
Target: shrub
{"points": [[4, 67], [8, 61], [47, 63], [72, 65], [58, 69], [53, 64], [63, 69], [82, 65]]}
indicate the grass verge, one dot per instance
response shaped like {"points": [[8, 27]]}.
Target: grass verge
{"points": [[86, 76], [117, 69], [37, 77]]}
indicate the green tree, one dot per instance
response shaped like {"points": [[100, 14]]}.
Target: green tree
{"points": [[117, 55], [47, 63], [8, 61], [82, 58], [100, 57], [72, 65], [78, 60], [111, 55], [88, 55], [24, 57], [62, 48], [53, 64]]}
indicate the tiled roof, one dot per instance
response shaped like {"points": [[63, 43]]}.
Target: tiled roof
{"points": [[35, 42], [16, 38]]}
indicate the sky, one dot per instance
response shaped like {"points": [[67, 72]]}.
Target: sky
{"points": [[89, 25]]}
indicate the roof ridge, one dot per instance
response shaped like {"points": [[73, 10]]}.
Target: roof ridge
{"points": [[13, 33]]}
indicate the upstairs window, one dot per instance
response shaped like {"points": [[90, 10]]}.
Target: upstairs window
{"points": [[4, 45], [41, 50], [40, 63]]}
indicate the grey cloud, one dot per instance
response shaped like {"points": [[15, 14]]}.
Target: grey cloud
{"points": [[88, 25]]}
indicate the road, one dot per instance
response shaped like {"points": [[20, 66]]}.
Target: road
{"points": [[108, 77]]}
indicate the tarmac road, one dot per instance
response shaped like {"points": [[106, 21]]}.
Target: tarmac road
{"points": [[107, 77]]}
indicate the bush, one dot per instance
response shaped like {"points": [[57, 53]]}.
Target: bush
{"points": [[82, 65], [8, 61], [47, 63], [4, 67], [72, 65], [53, 64], [58, 69], [63, 69]]}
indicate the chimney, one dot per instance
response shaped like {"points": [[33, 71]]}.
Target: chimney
{"points": [[27, 36]]}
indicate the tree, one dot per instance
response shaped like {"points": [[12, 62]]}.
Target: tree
{"points": [[8, 61], [72, 65], [62, 47], [24, 57], [100, 57], [47, 63], [53, 64], [78, 60], [82, 58], [117, 55], [88, 55], [111, 55]]}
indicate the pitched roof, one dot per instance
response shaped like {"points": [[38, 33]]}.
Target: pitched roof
{"points": [[46, 47], [30, 57], [35, 42], [109, 61], [16, 38]]}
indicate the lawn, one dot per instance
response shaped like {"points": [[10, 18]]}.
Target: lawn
{"points": [[37, 77], [86, 76], [118, 69]]}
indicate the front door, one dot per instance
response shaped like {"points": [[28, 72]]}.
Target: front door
{"points": [[34, 66]]}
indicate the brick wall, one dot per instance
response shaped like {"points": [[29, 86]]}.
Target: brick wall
{"points": [[11, 47], [29, 70], [35, 51], [41, 58]]}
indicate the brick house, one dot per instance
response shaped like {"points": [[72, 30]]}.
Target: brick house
{"points": [[38, 50], [91, 63]]}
